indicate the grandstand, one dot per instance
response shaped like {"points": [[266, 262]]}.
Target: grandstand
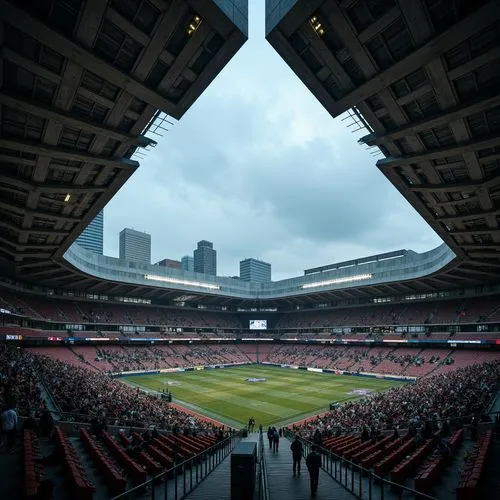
{"points": [[83, 84]]}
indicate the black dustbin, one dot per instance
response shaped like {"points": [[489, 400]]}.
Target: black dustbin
{"points": [[243, 469]]}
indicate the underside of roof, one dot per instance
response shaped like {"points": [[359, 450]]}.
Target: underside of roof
{"points": [[80, 81], [423, 77]]}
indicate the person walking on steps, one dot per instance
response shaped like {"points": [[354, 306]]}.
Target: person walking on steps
{"points": [[270, 433], [296, 448], [313, 462], [276, 440]]}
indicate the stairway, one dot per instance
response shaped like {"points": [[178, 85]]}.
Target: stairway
{"points": [[283, 485]]}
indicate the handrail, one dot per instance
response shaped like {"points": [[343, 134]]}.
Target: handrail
{"points": [[337, 468], [193, 470], [263, 484]]}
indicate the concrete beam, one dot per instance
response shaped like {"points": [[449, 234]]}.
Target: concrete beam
{"points": [[379, 25], [78, 54], [488, 57], [436, 121], [213, 68], [451, 203], [300, 14], [195, 41], [66, 154], [472, 215], [169, 21], [48, 187], [434, 154], [326, 55], [38, 213], [67, 119], [21, 230], [27, 246], [433, 49], [126, 26]]}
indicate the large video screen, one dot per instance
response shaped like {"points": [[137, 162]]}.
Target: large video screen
{"points": [[258, 324]]}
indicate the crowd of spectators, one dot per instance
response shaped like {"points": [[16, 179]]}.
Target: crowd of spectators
{"points": [[437, 399], [450, 311], [71, 311], [85, 396], [18, 383], [156, 357]]}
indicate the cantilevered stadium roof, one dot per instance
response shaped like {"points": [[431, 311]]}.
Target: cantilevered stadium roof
{"points": [[79, 83], [423, 77]]}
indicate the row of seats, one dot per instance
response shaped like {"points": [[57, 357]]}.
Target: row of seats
{"points": [[430, 472], [82, 488], [469, 310], [33, 469], [468, 487], [408, 466], [390, 460], [114, 479], [131, 467]]}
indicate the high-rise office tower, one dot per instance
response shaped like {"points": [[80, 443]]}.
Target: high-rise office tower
{"points": [[205, 258], [135, 245], [187, 263], [255, 270], [92, 236]]}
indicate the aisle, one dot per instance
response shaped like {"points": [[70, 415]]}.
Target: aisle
{"points": [[283, 485]]}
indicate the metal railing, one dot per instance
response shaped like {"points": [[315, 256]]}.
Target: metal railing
{"points": [[361, 482], [178, 481], [262, 471]]}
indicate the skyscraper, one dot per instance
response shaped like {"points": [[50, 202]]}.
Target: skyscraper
{"points": [[187, 263], [255, 270], [135, 246], [205, 258], [92, 236]]}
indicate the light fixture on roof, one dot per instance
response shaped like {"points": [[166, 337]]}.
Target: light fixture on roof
{"points": [[177, 281], [316, 24], [338, 281], [67, 198], [194, 25]]}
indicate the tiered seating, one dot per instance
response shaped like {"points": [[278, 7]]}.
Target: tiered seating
{"points": [[82, 488], [429, 474], [409, 465], [131, 467], [357, 453], [382, 467], [468, 488], [33, 469], [64, 310], [114, 479], [376, 454]]}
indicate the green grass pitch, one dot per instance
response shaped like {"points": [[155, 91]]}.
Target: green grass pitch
{"points": [[286, 396]]}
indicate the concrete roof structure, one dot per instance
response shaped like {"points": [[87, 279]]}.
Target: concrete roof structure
{"points": [[80, 84], [423, 77]]}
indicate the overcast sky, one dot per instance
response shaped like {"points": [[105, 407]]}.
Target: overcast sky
{"points": [[261, 169]]}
